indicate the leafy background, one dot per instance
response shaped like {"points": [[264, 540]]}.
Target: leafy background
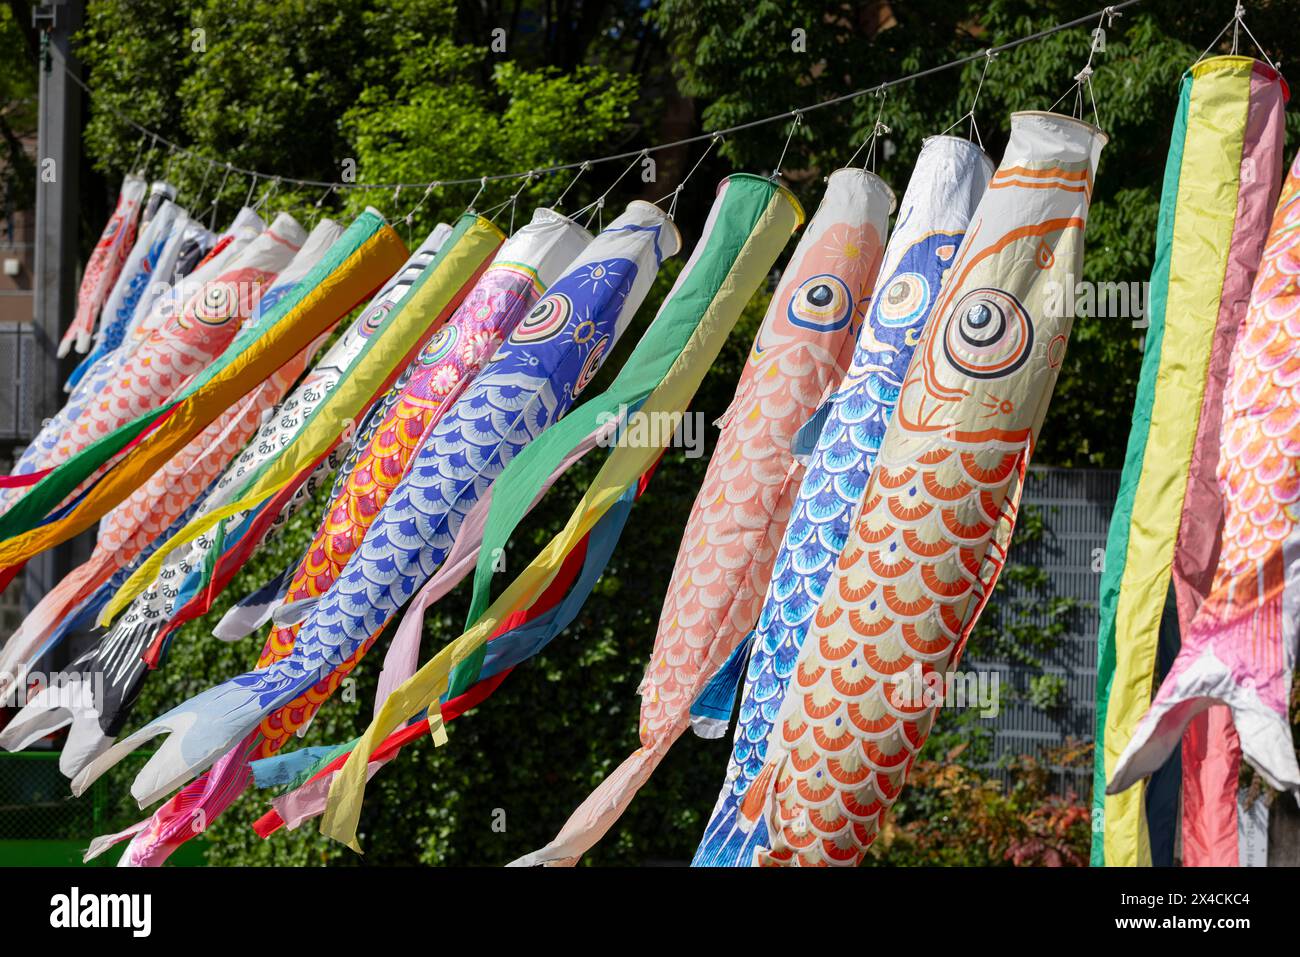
{"points": [[412, 90]]}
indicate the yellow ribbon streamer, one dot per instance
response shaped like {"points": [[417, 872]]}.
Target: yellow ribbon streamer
{"points": [[426, 307], [360, 273]]}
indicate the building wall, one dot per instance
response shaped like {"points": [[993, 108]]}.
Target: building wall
{"points": [[17, 249]]}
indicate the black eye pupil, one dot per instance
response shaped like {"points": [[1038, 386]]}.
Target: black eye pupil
{"points": [[979, 316], [820, 295]]}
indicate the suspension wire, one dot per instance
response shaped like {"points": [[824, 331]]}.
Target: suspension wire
{"points": [[577, 176], [788, 115], [677, 193]]}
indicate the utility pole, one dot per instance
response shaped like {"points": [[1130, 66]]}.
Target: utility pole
{"points": [[58, 163]]}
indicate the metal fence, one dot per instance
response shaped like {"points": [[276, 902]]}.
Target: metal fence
{"points": [[41, 824], [20, 354], [1075, 506]]}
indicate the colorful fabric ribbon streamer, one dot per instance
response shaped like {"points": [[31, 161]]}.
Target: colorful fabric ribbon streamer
{"points": [[1239, 649], [185, 481], [355, 267], [523, 268], [534, 377], [438, 291], [103, 390], [802, 347], [133, 527], [625, 465], [1221, 180], [413, 303]]}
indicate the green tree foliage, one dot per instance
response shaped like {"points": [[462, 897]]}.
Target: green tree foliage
{"points": [[736, 56], [17, 108]]}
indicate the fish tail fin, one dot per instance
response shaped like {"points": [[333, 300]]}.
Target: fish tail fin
{"points": [[739, 824], [598, 813], [756, 798], [711, 710], [198, 732]]}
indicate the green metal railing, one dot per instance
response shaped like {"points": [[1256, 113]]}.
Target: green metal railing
{"points": [[43, 825]]}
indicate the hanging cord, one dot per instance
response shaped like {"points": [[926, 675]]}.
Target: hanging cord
{"points": [[576, 176], [974, 132], [482, 185], [252, 188], [270, 191], [139, 151], [595, 206], [320, 213], [409, 218], [798, 122], [212, 221], [1084, 77], [1238, 24], [171, 157], [203, 186], [512, 202], [618, 179], [1112, 10], [877, 129], [677, 193], [598, 204], [148, 157]]}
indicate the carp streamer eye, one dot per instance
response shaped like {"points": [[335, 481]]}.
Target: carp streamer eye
{"points": [[547, 318], [439, 346], [374, 318], [988, 334], [220, 301], [821, 302], [905, 300], [592, 365]]}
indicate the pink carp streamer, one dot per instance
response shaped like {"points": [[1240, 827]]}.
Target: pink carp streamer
{"points": [[1240, 648], [141, 378], [730, 543], [104, 265]]}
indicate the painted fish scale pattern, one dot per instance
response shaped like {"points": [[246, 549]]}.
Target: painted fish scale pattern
{"points": [[54, 444], [927, 544], [734, 534], [821, 304], [165, 360], [512, 401], [153, 608], [833, 485], [905, 589], [1261, 422], [450, 360]]}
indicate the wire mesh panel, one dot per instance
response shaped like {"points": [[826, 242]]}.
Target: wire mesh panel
{"points": [[41, 824], [1074, 508], [19, 355]]}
